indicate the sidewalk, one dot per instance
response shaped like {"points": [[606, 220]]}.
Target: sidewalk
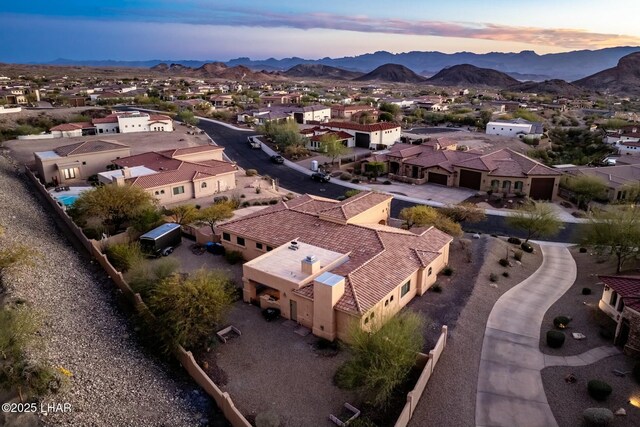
{"points": [[510, 390]]}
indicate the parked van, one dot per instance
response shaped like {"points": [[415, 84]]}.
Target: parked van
{"points": [[161, 240]]}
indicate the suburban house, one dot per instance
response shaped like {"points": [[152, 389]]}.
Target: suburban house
{"points": [[291, 98], [504, 171], [175, 175], [628, 147], [347, 112], [78, 161], [302, 115], [617, 178], [518, 128], [73, 130], [119, 122], [375, 136], [621, 301], [326, 264]]}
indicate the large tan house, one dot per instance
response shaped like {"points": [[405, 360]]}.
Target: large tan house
{"points": [[502, 172], [326, 264], [176, 175], [621, 301], [76, 162]]}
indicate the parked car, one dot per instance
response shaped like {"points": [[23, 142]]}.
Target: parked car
{"points": [[277, 159], [320, 177], [253, 142]]}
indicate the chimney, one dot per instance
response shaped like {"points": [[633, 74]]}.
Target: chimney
{"points": [[328, 288], [119, 180], [126, 172], [310, 265]]}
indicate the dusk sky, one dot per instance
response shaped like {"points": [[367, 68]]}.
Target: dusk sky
{"points": [[43, 30]]}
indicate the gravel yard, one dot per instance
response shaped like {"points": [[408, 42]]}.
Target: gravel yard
{"points": [[450, 396], [114, 383]]}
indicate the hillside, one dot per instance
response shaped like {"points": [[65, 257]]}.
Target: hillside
{"points": [[624, 78], [470, 75], [320, 71], [394, 73], [217, 70], [554, 87]]}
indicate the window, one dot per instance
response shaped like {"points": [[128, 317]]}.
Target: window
{"points": [[161, 191], [157, 193], [226, 236], [430, 271], [621, 306], [495, 184], [84, 163], [391, 299], [366, 320], [614, 299], [518, 186], [240, 241], [405, 289], [258, 245], [269, 248], [506, 185], [203, 185], [386, 303], [373, 314], [178, 190], [69, 173]]}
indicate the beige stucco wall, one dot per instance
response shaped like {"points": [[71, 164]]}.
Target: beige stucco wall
{"points": [[485, 182], [194, 190], [374, 215], [95, 163], [200, 157]]}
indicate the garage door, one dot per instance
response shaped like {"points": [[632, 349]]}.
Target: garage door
{"points": [[470, 179], [438, 178], [362, 140], [541, 188]]}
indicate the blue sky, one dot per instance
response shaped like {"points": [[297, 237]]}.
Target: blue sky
{"points": [[42, 30]]}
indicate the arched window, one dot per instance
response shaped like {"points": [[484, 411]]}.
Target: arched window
{"points": [[518, 186], [495, 184], [203, 185], [430, 271], [506, 185]]}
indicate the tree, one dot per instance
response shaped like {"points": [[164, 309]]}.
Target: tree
{"points": [[189, 310], [535, 220], [113, 204], [615, 231], [464, 212], [375, 168], [213, 214], [386, 117], [187, 116], [631, 193], [332, 147], [383, 357], [184, 214], [424, 216], [586, 188]]}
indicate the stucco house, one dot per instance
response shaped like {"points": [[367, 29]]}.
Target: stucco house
{"points": [[621, 301], [617, 178], [326, 264], [118, 122], [518, 128], [375, 136], [176, 175], [78, 161]]}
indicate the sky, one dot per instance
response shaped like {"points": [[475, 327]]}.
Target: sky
{"points": [[43, 30]]}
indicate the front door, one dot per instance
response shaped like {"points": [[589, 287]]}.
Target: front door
{"points": [[293, 310]]}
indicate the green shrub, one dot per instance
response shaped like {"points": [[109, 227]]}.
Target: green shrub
{"points": [[561, 322], [555, 339], [245, 204], [387, 182], [345, 176], [437, 288], [448, 271], [362, 422], [143, 277], [504, 262], [505, 274], [517, 255], [355, 181], [123, 256], [493, 277], [514, 240], [273, 202], [251, 172], [526, 247], [233, 257], [599, 390], [597, 417], [583, 250], [586, 291], [94, 233]]}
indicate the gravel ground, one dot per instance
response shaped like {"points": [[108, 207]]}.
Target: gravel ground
{"points": [[568, 401], [450, 396], [114, 383]]}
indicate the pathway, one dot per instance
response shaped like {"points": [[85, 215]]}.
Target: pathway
{"points": [[510, 390]]}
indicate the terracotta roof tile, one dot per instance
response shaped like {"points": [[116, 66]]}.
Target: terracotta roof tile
{"points": [[88, 147], [628, 287]]}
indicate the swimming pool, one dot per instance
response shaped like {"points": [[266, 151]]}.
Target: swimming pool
{"points": [[67, 200]]}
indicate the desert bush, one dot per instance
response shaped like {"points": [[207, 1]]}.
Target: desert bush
{"points": [[586, 291], [362, 422], [504, 262], [514, 240], [493, 277], [597, 417], [517, 255], [123, 256], [251, 172], [526, 247], [14, 255], [599, 390], [273, 202], [437, 288], [448, 271], [345, 176], [561, 322], [387, 182], [233, 257], [555, 339], [355, 181], [505, 274], [583, 250], [143, 277], [245, 204]]}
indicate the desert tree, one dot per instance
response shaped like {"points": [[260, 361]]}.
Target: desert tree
{"points": [[215, 213], [535, 220], [332, 147], [425, 216]]}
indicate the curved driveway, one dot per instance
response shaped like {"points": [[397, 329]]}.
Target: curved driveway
{"points": [[510, 391]]}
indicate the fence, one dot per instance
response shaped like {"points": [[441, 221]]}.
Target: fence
{"points": [[222, 399], [430, 361]]}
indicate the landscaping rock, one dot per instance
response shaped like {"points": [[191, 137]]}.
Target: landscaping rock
{"points": [[621, 412], [597, 416]]}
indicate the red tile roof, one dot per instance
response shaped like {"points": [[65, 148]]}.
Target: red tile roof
{"points": [[507, 162], [87, 147], [111, 118], [65, 127], [353, 206], [628, 287]]}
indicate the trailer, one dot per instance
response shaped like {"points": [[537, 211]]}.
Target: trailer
{"points": [[161, 240]]}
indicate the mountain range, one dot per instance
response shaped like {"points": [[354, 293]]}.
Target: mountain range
{"points": [[568, 66]]}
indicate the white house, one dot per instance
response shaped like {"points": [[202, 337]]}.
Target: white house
{"points": [[515, 128], [133, 121], [628, 147], [375, 136]]}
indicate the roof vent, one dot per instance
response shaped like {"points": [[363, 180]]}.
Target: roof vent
{"points": [[310, 259], [294, 246]]}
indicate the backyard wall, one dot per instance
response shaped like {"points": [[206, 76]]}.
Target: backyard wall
{"points": [[222, 399], [413, 397]]}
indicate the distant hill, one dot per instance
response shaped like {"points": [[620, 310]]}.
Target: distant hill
{"points": [[624, 78], [470, 75], [395, 73], [217, 70], [554, 87], [320, 71]]}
